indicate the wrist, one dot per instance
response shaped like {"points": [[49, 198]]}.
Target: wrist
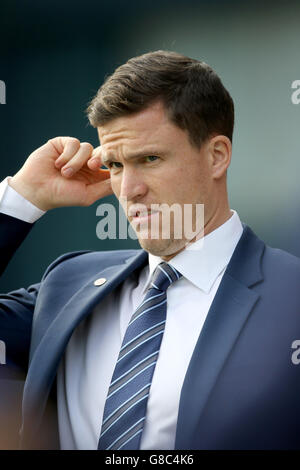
{"points": [[27, 192]]}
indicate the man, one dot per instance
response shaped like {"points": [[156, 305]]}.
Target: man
{"points": [[220, 374]]}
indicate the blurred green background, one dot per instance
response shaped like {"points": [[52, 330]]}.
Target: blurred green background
{"points": [[55, 55]]}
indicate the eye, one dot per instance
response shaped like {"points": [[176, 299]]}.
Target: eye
{"points": [[151, 158], [115, 165]]}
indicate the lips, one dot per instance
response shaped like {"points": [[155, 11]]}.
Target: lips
{"points": [[145, 213], [139, 215], [138, 210], [143, 216]]}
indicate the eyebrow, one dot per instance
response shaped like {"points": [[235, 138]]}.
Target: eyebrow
{"points": [[134, 156]]}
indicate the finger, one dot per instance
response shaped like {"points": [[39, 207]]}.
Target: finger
{"points": [[100, 175], [78, 160], [95, 161], [98, 190], [69, 147], [103, 174]]}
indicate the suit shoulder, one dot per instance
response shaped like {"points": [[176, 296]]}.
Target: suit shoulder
{"points": [[89, 258], [282, 269], [277, 257]]}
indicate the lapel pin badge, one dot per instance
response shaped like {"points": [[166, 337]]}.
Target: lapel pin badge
{"points": [[100, 281]]}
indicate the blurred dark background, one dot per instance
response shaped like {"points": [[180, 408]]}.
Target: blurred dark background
{"points": [[55, 55]]}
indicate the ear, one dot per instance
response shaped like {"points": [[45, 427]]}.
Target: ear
{"points": [[220, 149]]}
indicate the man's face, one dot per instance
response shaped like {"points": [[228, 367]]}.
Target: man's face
{"points": [[152, 162]]}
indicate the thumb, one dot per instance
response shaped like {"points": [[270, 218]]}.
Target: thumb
{"points": [[96, 159]]}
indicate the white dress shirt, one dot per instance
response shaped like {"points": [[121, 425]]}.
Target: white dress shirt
{"points": [[12, 203], [86, 368]]}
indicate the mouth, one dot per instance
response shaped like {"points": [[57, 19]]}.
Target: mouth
{"points": [[140, 215]]}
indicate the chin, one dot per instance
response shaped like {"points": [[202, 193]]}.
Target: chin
{"points": [[159, 247], [156, 247]]}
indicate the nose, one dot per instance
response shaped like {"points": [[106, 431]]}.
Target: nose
{"points": [[133, 186]]}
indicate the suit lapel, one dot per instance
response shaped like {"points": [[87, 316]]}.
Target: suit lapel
{"points": [[227, 316], [46, 356]]}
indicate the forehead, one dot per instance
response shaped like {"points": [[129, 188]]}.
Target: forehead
{"points": [[150, 126]]}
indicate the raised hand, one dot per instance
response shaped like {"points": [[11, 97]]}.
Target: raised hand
{"points": [[63, 172]]}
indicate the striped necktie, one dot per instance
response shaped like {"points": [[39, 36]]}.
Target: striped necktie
{"points": [[125, 407]]}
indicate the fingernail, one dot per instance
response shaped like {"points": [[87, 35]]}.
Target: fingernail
{"points": [[68, 171]]}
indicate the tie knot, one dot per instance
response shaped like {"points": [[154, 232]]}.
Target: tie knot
{"points": [[163, 276]]}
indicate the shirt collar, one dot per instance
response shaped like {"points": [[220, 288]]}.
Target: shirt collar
{"points": [[207, 258]]}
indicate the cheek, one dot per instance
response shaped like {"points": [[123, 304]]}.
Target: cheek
{"points": [[115, 185], [192, 187]]}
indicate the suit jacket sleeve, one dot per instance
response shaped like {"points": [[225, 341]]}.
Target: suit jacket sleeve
{"points": [[16, 307]]}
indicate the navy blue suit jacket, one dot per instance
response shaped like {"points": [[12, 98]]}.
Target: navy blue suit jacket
{"points": [[241, 389]]}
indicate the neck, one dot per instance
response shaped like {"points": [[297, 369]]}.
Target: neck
{"points": [[218, 218]]}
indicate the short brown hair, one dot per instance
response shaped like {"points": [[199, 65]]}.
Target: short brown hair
{"points": [[193, 94]]}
